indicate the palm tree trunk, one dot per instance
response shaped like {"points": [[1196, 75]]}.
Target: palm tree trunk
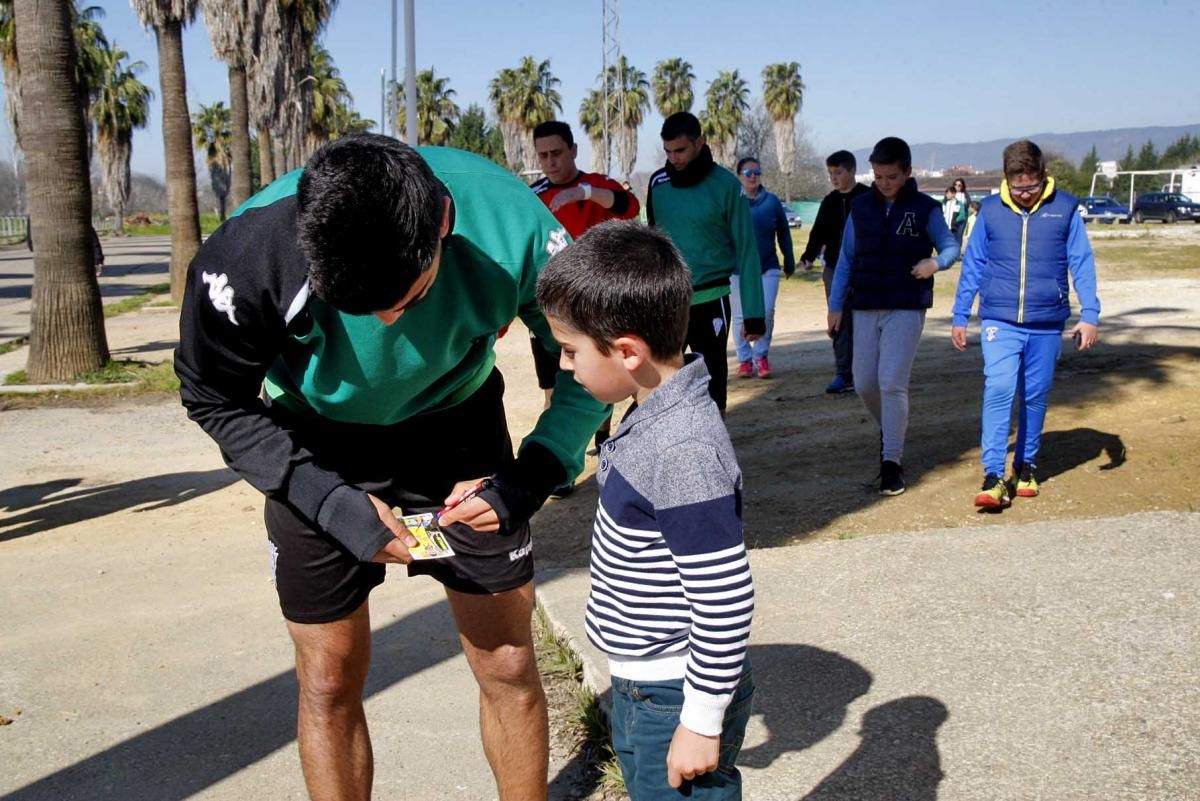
{"points": [[239, 124], [67, 325], [177, 144], [119, 229], [266, 156]]}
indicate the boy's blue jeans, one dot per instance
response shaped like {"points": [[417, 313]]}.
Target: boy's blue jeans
{"points": [[1018, 362], [644, 717]]}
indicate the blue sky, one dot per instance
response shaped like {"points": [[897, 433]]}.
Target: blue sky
{"points": [[925, 70]]}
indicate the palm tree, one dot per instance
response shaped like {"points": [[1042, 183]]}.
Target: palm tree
{"points": [[524, 98], [330, 98], [167, 18], [91, 49], [502, 92], [727, 98], [630, 98], [437, 113], [226, 23], [122, 104], [303, 21], [673, 86], [210, 132], [783, 95], [67, 326], [591, 119]]}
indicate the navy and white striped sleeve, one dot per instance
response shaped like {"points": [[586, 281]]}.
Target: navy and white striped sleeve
{"points": [[698, 507]]}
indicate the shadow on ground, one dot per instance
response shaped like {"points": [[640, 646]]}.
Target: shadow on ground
{"points": [[46, 506]]}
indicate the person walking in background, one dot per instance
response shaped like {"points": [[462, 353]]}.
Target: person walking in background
{"points": [[825, 241], [1026, 241], [950, 206], [578, 200], [770, 226], [700, 206], [958, 225], [885, 258], [972, 215]]}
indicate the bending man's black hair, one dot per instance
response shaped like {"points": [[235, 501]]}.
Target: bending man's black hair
{"points": [[370, 213]]}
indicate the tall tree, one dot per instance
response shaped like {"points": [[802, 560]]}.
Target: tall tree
{"points": [[67, 325], [437, 113], [226, 23], [524, 97], [167, 18], [330, 98], [727, 99], [473, 133], [211, 135], [629, 93], [591, 119], [673, 92], [262, 50], [122, 104], [1147, 159], [1088, 167], [783, 95]]}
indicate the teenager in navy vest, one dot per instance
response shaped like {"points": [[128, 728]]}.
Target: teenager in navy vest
{"points": [[1025, 242], [885, 259]]}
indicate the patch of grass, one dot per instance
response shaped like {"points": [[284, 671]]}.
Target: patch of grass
{"points": [[9, 347], [158, 378], [159, 225], [1123, 255], [154, 294]]}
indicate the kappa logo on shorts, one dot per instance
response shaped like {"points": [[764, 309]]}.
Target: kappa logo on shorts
{"points": [[521, 552], [273, 553], [990, 332], [220, 293]]}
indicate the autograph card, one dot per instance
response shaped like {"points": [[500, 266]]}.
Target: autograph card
{"points": [[431, 543]]}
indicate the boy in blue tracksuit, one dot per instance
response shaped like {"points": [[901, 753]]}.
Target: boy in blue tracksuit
{"points": [[1025, 242], [885, 258]]}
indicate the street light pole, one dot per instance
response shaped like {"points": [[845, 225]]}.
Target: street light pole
{"points": [[410, 70]]}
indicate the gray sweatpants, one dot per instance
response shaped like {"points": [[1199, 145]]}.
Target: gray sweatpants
{"points": [[885, 344]]}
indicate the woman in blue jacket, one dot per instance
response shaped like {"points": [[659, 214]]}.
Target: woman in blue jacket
{"points": [[770, 224], [1025, 242]]}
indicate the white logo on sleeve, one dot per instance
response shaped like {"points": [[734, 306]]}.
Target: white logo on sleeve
{"points": [[558, 241], [220, 293]]}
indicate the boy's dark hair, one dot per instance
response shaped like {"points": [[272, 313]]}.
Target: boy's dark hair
{"points": [[974, 204], [554, 128], [620, 278], [892, 150], [844, 159], [1024, 158], [369, 216], [744, 161], [681, 123]]}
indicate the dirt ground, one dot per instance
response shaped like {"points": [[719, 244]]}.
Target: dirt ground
{"points": [[1120, 436]]}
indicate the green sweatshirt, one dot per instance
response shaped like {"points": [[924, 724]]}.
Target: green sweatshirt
{"points": [[709, 221]]}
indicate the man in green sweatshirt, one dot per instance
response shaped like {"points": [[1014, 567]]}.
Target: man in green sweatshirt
{"points": [[363, 296], [701, 207]]}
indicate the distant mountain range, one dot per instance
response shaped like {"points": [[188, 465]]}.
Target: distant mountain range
{"points": [[1110, 144]]}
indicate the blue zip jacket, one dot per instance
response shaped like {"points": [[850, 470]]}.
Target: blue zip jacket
{"points": [[770, 224], [934, 229], [1017, 261]]}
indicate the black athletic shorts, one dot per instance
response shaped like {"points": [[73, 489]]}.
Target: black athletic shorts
{"points": [[544, 362], [414, 465]]}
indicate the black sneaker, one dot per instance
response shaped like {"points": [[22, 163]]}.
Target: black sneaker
{"points": [[891, 478]]}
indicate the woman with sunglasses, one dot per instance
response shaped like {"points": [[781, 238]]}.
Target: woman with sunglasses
{"points": [[770, 225]]}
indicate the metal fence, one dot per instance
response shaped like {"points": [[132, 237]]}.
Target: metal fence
{"points": [[12, 228]]}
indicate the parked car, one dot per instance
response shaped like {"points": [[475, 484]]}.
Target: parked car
{"points": [[792, 217], [1165, 206], [1103, 208]]}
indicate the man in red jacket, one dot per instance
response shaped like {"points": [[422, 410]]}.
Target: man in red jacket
{"points": [[578, 200]]}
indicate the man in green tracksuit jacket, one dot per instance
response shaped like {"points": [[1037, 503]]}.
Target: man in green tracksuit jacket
{"points": [[363, 296], [701, 206]]}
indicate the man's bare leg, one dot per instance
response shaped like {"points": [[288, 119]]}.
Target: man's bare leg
{"points": [[497, 637], [331, 667]]}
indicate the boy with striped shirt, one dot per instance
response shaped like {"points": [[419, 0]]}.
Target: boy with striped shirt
{"points": [[672, 597]]}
